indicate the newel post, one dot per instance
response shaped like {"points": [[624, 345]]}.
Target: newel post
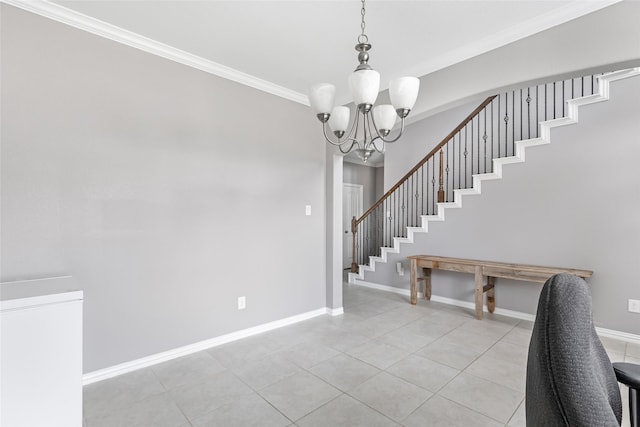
{"points": [[441, 179], [354, 253]]}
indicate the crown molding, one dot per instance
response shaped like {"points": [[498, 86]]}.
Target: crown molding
{"points": [[535, 25], [91, 25]]}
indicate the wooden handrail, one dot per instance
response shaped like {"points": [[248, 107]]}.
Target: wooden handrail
{"points": [[425, 159]]}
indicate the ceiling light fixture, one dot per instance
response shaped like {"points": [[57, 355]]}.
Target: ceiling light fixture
{"points": [[372, 125]]}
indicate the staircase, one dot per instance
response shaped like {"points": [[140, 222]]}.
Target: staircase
{"points": [[495, 134]]}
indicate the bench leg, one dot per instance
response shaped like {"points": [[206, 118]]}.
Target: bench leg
{"points": [[491, 294], [479, 292], [413, 279], [426, 291]]}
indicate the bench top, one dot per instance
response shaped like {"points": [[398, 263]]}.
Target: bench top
{"points": [[497, 269]]}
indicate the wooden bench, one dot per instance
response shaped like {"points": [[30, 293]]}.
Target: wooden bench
{"points": [[490, 269]]}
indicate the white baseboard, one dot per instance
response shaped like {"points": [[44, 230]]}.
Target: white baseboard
{"points": [[123, 368], [618, 335], [335, 311], [603, 332], [385, 288]]}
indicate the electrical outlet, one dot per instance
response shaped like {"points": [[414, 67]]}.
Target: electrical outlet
{"points": [[634, 306], [242, 303], [400, 269]]}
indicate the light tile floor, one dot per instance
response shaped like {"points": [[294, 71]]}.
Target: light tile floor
{"points": [[383, 363]]}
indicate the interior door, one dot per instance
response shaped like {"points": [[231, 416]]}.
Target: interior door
{"points": [[352, 195]]}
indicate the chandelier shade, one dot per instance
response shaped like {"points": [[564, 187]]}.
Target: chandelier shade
{"points": [[384, 118], [403, 92], [339, 120], [364, 86], [321, 97], [371, 126]]}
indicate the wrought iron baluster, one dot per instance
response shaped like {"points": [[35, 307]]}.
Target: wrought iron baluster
{"points": [[563, 98], [398, 218], [405, 211], [376, 241], [361, 246], [433, 188], [441, 195], [391, 218], [499, 127], [411, 215], [546, 89], [485, 140], [478, 147], [396, 215], [365, 249], [471, 126], [422, 199], [354, 247], [465, 154], [554, 100], [506, 124], [417, 196], [447, 176], [537, 121], [426, 195], [492, 136], [459, 159], [387, 223], [528, 113], [377, 222], [521, 138], [513, 122]]}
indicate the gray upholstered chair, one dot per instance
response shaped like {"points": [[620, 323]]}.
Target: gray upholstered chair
{"points": [[570, 380]]}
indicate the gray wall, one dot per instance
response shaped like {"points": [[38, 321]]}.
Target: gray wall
{"points": [[573, 204], [165, 191], [365, 176], [379, 183]]}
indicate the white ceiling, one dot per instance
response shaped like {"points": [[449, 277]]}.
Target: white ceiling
{"points": [[293, 44]]}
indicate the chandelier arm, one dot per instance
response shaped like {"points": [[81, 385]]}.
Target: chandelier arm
{"points": [[375, 147], [367, 126], [353, 143], [355, 126]]}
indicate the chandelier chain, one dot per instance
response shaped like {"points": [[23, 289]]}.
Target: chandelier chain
{"points": [[362, 38]]}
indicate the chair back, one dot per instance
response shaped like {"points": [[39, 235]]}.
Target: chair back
{"points": [[570, 380]]}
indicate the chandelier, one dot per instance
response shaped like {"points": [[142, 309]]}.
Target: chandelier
{"points": [[371, 126]]}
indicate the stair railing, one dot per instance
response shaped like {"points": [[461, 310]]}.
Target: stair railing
{"points": [[489, 132]]}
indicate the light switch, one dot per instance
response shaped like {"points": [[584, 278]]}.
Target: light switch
{"points": [[307, 210]]}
